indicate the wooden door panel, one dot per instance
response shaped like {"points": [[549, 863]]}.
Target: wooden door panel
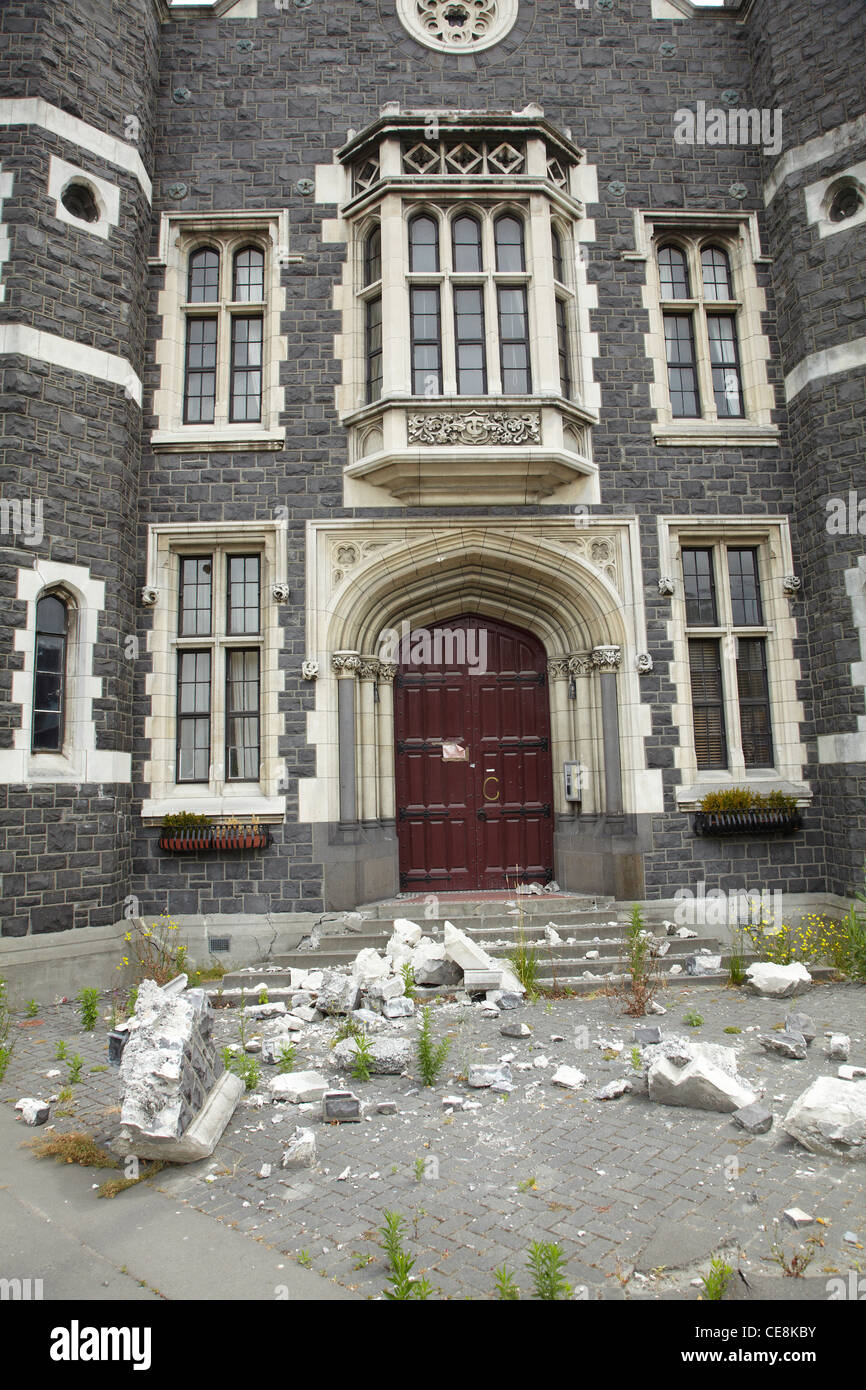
{"points": [[473, 824]]}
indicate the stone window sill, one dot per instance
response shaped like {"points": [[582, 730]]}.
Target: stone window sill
{"points": [[216, 440], [706, 432]]}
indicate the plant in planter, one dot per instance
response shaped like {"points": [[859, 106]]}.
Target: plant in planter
{"points": [[741, 811], [185, 830]]}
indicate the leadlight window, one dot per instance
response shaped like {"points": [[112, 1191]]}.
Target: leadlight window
{"points": [[49, 674]]}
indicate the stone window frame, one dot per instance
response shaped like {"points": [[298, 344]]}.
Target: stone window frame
{"points": [[770, 536], [180, 235], [502, 20], [219, 797], [79, 761], [738, 235]]}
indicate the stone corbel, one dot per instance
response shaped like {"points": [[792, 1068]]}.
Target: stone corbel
{"points": [[667, 586], [792, 584], [149, 596], [280, 593], [310, 670]]}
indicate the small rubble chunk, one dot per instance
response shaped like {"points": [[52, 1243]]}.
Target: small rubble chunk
{"points": [[792, 1045], [515, 1029], [33, 1111], [754, 1119], [340, 1107], [798, 1218], [481, 1077], [614, 1089], [299, 1087], [839, 1047], [802, 1024], [339, 994], [301, 1152], [569, 1078], [830, 1118]]}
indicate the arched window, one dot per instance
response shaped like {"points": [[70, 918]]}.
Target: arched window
{"points": [[373, 256], [673, 273], [423, 245], [466, 234], [49, 674], [203, 285], [508, 235], [248, 279], [716, 273], [558, 263]]}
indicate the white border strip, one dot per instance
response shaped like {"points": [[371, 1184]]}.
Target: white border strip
{"points": [[19, 339], [844, 357], [812, 152], [37, 111]]}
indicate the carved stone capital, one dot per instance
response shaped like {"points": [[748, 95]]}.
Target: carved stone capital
{"points": [[579, 665], [345, 665], [557, 668], [368, 668], [606, 658], [387, 672]]}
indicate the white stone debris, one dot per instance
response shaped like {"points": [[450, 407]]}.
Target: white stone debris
{"points": [[778, 981], [301, 1152], [514, 1029], [388, 1056], [798, 1218], [552, 936], [839, 1047], [480, 1077], [32, 1110], [398, 1007], [851, 1073], [176, 1097], [299, 1087], [791, 1045], [703, 963], [830, 1118], [339, 993], [569, 1078], [613, 1090], [700, 1085]]}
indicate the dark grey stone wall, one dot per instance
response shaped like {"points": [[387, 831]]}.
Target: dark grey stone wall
{"points": [[68, 439]]}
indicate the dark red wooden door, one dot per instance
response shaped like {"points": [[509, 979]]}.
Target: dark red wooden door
{"points": [[478, 823]]}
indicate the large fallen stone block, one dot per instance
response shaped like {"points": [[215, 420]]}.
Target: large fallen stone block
{"points": [[339, 994], [439, 973], [368, 966], [388, 1056], [754, 1119], [176, 1097], [407, 931], [830, 1118], [778, 981], [301, 1152], [700, 1085], [464, 951], [298, 1087]]}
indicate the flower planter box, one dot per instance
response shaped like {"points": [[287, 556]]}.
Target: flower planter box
{"points": [[758, 823], [214, 838]]}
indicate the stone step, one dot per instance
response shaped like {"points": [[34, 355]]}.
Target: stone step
{"points": [[454, 908]]}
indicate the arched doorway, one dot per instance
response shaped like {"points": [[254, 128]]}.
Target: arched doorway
{"points": [[474, 786]]}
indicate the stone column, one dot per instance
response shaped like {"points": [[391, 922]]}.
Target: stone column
{"points": [[345, 666], [368, 672], [387, 794], [607, 660], [580, 670], [560, 727]]}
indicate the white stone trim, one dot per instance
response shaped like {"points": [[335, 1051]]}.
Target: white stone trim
{"points": [[106, 195], [832, 361], [219, 796], [851, 747], [6, 181], [576, 582], [771, 536], [38, 112], [80, 760], [501, 25], [178, 233], [819, 197], [813, 151], [739, 234], [20, 340]]}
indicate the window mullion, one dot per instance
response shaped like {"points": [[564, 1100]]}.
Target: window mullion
{"points": [[705, 370]]}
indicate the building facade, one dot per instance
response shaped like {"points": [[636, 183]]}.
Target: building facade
{"points": [[432, 447]]}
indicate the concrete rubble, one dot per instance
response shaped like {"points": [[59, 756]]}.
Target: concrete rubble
{"points": [[778, 981], [33, 1111], [792, 1045], [176, 1096], [702, 1076], [830, 1118], [301, 1152], [388, 1056]]}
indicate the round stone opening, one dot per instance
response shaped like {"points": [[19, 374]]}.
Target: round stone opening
{"points": [[846, 202], [79, 202], [457, 25]]}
